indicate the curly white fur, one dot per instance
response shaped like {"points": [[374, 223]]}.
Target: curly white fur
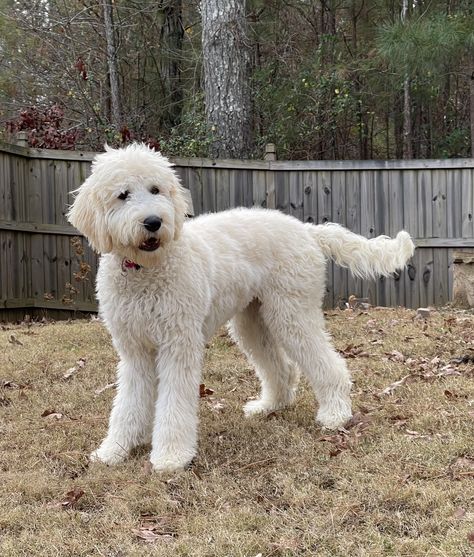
{"points": [[259, 269]]}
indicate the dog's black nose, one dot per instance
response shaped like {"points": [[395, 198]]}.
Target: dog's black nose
{"points": [[152, 223]]}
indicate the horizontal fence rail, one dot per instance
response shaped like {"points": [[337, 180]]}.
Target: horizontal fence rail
{"points": [[45, 265]]}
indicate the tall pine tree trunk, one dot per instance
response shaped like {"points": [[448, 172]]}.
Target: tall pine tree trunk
{"points": [[407, 125], [172, 33], [115, 104], [471, 107], [226, 60]]}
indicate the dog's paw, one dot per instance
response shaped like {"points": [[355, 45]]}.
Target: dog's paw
{"points": [[108, 455], [261, 406], [171, 463], [334, 415]]}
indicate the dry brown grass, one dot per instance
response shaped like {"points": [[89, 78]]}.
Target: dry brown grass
{"points": [[399, 482]]}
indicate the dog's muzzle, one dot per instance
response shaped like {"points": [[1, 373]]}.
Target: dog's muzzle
{"points": [[151, 244]]}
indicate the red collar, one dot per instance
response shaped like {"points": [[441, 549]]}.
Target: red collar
{"points": [[127, 264]]}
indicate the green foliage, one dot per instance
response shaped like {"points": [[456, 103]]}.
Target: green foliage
{"points": [[454, 144], [191, 138], [327, 80], [425, 44], [298, 111]]}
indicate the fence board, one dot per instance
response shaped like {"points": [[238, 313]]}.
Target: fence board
{"points": [[310, 197], [282, 194], [325, 215], [440, 230], [410, 224], [397, 285], [433, 200], [259, 188], [467, 203], [340, 275], [270, 190]]}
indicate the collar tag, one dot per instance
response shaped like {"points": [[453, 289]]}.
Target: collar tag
{"points": [[127, 264]]}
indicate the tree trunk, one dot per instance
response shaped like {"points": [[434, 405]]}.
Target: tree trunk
{"points": [[471, 107], [172, 33], [226, 59], [115, 104], [407, 125]]}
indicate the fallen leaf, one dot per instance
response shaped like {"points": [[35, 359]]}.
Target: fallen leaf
{"points": [[470, 537], [354, 351], [72, 497], [462, 467], [451, 395], [14, 340], [153, 528], [358, 421], [107, 387], [52, 414], [204, 391], [146, 535], [340, 442], [398, 420], [389, 390], [216, 406], [459, 514], [395, 356], [70, 372], [467, 358], [11, 385], [73, 370], [70, 500], [446, 371]]}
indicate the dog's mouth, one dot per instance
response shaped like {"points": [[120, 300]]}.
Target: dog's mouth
{"points": [[151, 244]]}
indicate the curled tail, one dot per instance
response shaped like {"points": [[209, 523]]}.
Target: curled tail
{"points": [[367, 258]]}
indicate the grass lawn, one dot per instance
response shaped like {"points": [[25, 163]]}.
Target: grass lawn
{"points": [[399, 481]]}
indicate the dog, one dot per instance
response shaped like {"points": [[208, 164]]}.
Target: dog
{"points": [[165, 285]]}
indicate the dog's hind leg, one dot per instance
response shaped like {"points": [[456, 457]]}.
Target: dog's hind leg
{"points": [[279, 377], [300, 330]]}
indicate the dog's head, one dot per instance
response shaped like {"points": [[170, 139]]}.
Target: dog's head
{"points": [[132, 204]]}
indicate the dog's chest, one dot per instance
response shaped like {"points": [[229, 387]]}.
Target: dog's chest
{"points": [[134, 305]]}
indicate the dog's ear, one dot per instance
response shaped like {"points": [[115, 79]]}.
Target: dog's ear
{"points": [[85, 214], [180, 207]]}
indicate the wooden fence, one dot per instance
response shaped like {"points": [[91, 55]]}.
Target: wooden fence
{"points": [[43, 263]]}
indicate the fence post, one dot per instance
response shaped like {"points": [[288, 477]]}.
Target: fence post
{"points": [[21, 139], [270, 152], [270, 197]]}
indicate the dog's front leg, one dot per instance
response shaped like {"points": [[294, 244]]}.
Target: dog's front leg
{"points": [[174, 442], [131, 418]]}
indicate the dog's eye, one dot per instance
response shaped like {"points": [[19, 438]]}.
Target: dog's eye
{"points": [[154, 190], [123, 195]]}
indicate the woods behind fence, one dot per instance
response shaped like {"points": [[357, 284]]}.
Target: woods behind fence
{"points": [[45, 264]]}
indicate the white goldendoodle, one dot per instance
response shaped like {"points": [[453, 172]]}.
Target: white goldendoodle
{"points": [[164, 285]]}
